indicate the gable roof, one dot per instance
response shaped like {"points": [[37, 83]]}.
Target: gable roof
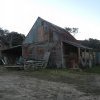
{"points": [[77, 45], [31, 36], [61, 31]]}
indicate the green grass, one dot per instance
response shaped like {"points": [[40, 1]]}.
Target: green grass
{"points": [[94, 69]]}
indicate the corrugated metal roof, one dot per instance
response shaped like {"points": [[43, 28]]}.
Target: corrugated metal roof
{"points": [[14, 47], [59, 30], [32, 35], [76, 44]]}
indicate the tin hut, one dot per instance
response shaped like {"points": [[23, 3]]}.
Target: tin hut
{"points": [[54, 44]]}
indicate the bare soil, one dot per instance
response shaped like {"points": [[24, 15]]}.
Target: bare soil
{"points": [[21, 85]]}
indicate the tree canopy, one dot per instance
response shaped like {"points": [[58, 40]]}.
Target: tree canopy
{"points": [[71, 30], [92, 43], [11, 38]]}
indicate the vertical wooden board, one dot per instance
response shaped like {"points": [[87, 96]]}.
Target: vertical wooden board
{"points": [[46, 58], [55, 55], [40, 34]]}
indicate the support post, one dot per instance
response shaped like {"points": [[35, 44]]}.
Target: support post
{"points": [[85, 56], [79, 55], [90, 62], [63, 65]]}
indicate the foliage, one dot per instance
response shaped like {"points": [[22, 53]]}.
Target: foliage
{"points": [[92, 43], [1, 32], [15, 38], [72, 30], [94, 69], [11, 38]]}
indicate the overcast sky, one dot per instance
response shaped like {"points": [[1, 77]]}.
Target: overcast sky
{"points": [[20, 15]]}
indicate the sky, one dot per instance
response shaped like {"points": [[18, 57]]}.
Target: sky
{"points": [[20, 15]]}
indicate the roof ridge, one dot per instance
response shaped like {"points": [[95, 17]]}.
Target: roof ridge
{"points": [[56, 26]]}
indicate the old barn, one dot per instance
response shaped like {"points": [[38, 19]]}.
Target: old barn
{"points": [[54, 46]]}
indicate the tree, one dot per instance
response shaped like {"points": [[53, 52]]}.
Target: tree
{"points": [[1, 32], [11, 38], [14, 38], [2, 36], [72, 30], [92, 43]]}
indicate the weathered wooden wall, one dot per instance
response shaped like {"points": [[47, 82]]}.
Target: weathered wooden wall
{"points": [[56, 56], [33, 51], [44, 37]]}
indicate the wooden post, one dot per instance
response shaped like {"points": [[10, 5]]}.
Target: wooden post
{"points": [[78, 55], [63, 65], [93, 57], [90, 54], [90, 62], [85, 56]]}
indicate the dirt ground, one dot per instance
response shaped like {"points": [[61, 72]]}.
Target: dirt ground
{"points": [[15, 85]]}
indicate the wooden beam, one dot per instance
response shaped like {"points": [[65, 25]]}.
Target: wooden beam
{"points": [[63, 65], [85, 55], [90, 60], [78, 55]]}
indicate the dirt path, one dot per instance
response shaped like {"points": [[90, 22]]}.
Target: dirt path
{"points": [[14, 86]]}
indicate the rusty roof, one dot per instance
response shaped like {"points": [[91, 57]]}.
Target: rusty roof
{"points": [[60, 30], [31, 37]]}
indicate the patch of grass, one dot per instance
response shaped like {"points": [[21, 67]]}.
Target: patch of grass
{"points": [[82, 80], [94, 69]]}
